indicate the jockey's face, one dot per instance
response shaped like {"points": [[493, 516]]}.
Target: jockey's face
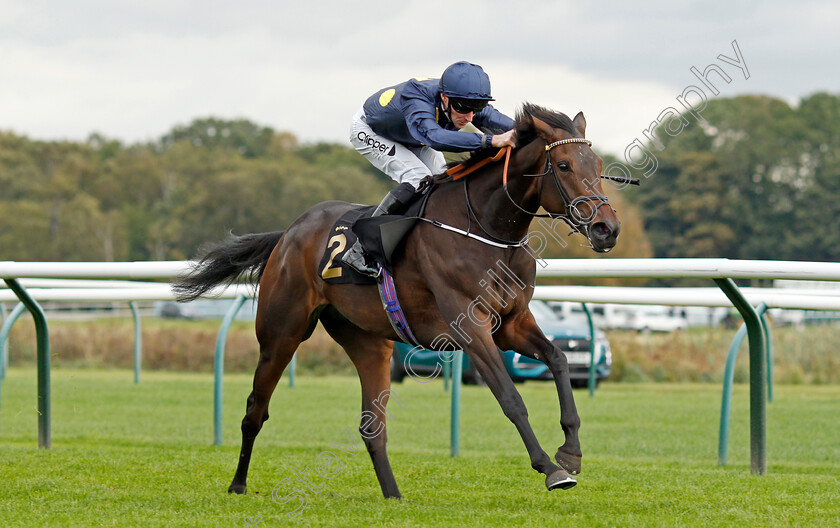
{"points": [[458, 119]]}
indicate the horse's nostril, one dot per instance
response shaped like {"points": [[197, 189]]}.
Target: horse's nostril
{"points": [[604, 230], [600, 230]]}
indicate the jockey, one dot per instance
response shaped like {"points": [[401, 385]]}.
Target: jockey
{"points": [[402, 130]]}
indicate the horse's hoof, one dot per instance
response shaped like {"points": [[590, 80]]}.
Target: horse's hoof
{"points": [[569, 462], [559, 479], [239, 489]]}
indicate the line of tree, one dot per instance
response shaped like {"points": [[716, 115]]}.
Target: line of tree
{"points": [[760, 179], [102, 200]]}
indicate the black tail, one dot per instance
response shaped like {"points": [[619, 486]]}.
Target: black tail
{"points": [[225, 262]]}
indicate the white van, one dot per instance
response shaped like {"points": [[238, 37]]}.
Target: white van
{"points": [[639, 317], [655, 318], [603, 315]]}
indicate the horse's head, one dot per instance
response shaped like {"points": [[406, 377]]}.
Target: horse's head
{"points": [[571, 182]]}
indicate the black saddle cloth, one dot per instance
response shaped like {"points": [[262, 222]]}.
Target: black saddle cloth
{"points": [[380, 236]]}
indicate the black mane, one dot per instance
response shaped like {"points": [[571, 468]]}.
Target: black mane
{"points": [[525, 130]]}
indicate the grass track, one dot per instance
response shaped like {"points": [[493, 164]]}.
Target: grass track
{"points": [[126, 455]]}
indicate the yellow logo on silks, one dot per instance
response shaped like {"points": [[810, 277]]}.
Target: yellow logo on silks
{"points": [[386, 97]]}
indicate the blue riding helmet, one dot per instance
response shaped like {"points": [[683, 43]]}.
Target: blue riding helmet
{"points": [[464, 80]]}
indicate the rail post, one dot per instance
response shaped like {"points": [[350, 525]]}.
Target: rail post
{"points": [[219, 367], [4, 345], [758, 395], [5, 330], [138, 341], [447, 375], [768, 342], [43, 339], [728, 381], [591, 350], [455, 425], [292, 371]]}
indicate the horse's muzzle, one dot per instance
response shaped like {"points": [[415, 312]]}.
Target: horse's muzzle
{"points": [[603, 235]]}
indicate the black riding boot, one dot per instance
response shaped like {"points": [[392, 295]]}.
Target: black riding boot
{"points": [[393, 203]]}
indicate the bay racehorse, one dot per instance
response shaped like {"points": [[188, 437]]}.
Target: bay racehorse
{"points": [[442, 279]]}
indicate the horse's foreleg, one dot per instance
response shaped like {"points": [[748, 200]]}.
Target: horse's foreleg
{"points": [[525, 337], [483, 352], [375, 375], [371, 356]]}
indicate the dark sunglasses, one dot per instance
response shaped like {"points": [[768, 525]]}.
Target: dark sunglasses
{"points": [[465, 106]]}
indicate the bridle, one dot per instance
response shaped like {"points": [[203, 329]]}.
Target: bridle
{"points": [[572, 215]]}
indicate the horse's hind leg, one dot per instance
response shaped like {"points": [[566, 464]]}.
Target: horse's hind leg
{"points": [[283, 321], [371, 356]]}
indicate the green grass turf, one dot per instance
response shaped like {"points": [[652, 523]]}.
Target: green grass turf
{"points": [[126, 455]]}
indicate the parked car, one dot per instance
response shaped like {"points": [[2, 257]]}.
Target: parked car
{"points": [[570, 334]]}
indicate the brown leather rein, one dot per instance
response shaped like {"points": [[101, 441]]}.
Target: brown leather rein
{"points": [[459, 171], [572, 215]]}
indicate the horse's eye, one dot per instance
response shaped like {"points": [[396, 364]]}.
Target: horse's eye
{"points": [[564, 166]]}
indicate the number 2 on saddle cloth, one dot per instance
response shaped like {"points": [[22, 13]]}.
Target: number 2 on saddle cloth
{"points": [[380, 236]]}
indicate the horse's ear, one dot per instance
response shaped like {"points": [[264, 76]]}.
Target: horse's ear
{"points": [[580, 123], [543, 129]]}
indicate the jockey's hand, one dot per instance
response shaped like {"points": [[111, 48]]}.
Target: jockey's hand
{"points": [[506, 139]]}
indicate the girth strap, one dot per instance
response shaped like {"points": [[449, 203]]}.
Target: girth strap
{"points": [[388, 294]]}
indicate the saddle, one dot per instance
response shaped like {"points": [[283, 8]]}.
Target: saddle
{"points": [[380, 236]]}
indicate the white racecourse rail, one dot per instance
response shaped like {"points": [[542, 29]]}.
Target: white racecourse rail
{"points": [[689, 268], [648, 268], [772, 297], [570, 268], [166, 269], [662, 268], [54, 287], [102, 292]]}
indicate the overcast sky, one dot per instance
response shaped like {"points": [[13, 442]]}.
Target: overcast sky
{"points": [[132, 70]]}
